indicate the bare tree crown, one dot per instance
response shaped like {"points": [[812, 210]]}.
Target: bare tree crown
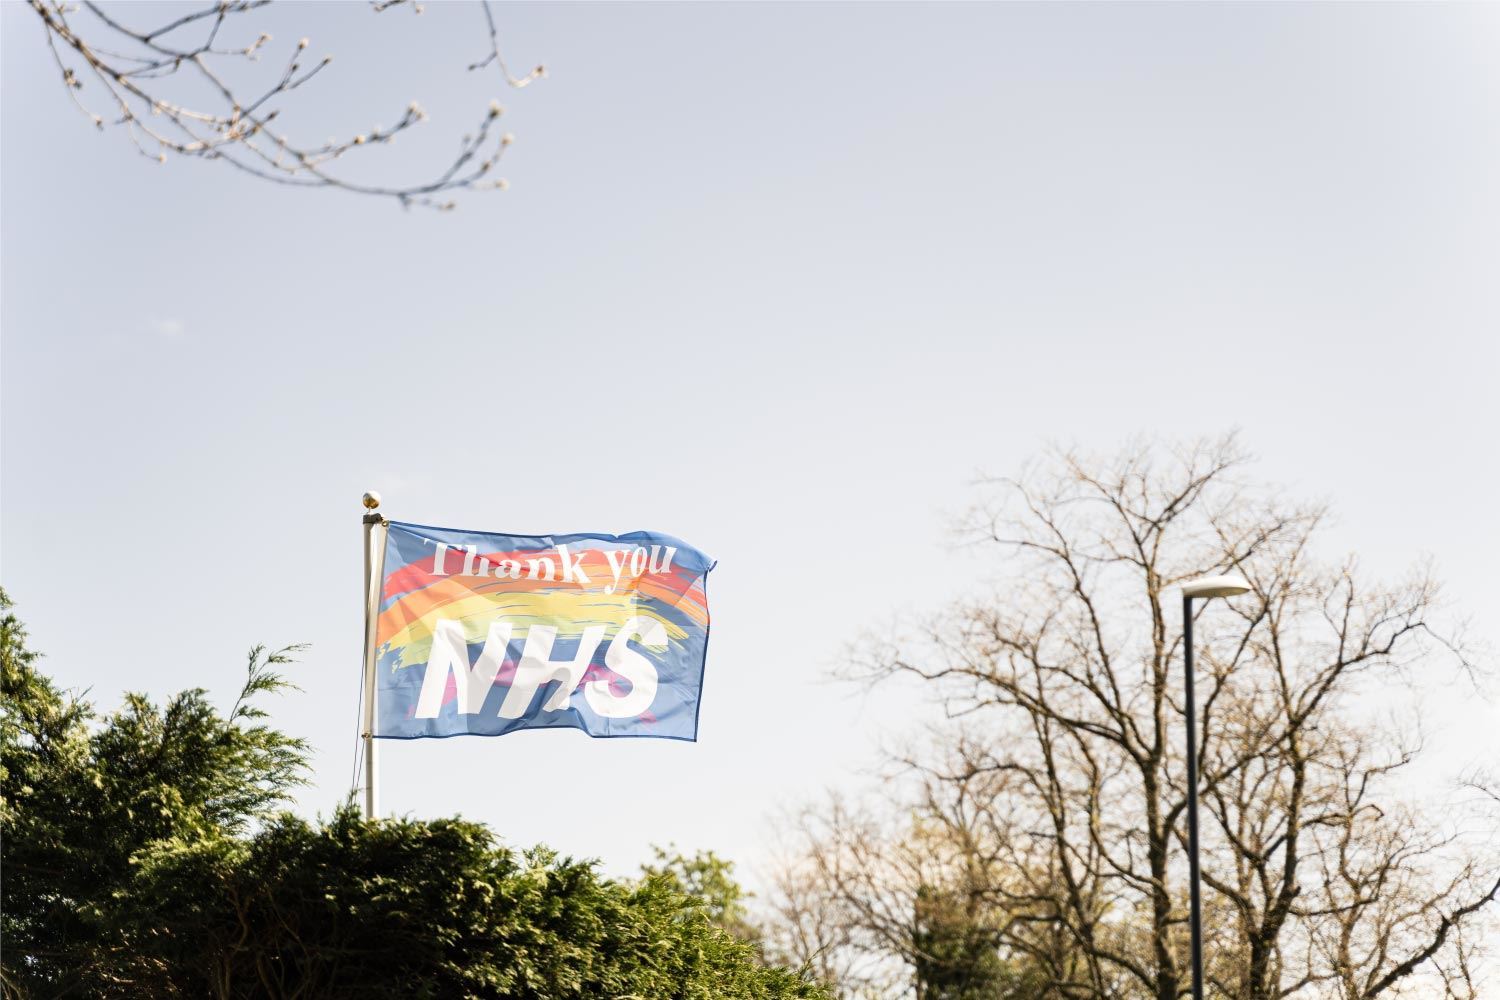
{"points": [[1049, 818]]}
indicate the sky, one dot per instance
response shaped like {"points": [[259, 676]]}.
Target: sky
{"points": [[781, 280]]}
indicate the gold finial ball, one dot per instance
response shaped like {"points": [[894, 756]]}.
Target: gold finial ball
{"points": [[372, 500]]}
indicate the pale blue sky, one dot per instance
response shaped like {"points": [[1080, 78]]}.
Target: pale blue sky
{"points": [[776, 279]]}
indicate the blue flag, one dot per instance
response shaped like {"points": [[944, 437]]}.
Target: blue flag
{"points": [[484, 634]]}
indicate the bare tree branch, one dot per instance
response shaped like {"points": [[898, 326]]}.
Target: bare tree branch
{"points": [[126, 67]]}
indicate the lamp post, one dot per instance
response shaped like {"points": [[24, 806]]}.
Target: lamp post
{"points": [[1205, 587]]}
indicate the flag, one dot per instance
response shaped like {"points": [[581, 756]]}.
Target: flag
{"points": [[484, 634]]}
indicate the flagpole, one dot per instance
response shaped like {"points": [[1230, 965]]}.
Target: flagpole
{"points": [[374, 566]]}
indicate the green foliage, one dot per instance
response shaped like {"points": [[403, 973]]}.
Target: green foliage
{"points": [[707, 880], [146, 855], [957, 954], [356, 908], [83, 795]]}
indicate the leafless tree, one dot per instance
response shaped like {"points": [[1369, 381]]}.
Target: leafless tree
{"points": [[1058, 784], [181, 88], [813, 926], [879, 905]]}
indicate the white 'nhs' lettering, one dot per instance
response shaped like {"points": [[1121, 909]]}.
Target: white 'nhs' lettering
{"points": [[450, 654]]}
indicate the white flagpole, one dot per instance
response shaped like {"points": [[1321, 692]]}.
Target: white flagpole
{"points": [[374, 573]]}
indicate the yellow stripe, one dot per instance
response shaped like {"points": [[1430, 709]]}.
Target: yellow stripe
{"points": [[570, 612]]}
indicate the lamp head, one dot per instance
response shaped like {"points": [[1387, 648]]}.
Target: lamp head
{"points": [[1215, 586]]}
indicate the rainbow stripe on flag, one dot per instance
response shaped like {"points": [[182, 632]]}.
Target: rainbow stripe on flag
{"points": [[484, 634]]}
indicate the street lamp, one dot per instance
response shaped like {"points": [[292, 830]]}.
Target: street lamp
{"points": [[1205, 587]]}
